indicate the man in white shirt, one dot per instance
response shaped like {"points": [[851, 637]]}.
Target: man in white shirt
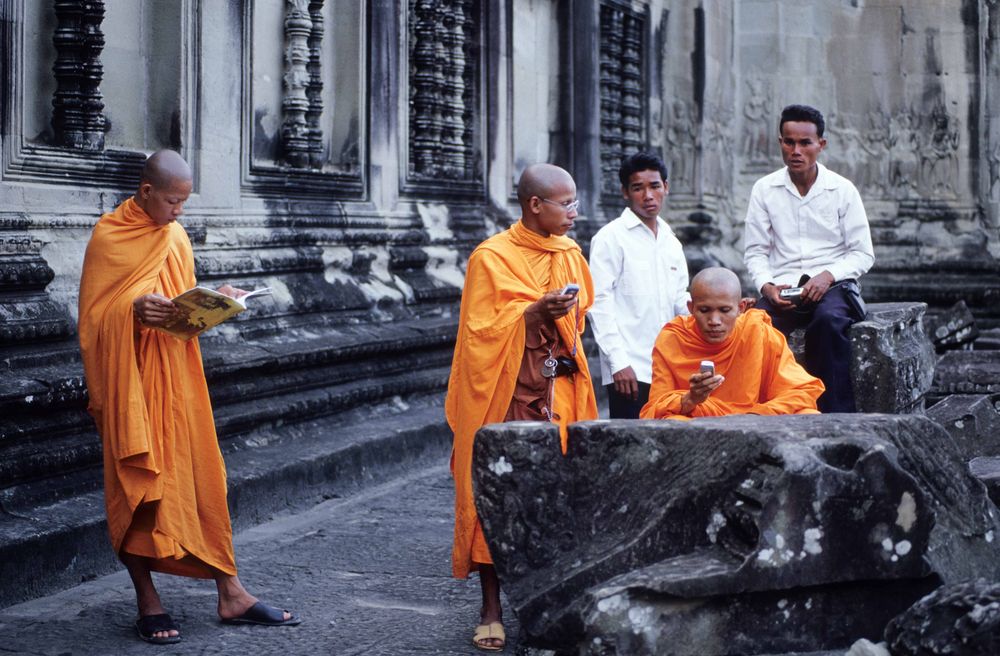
{"points": [[806, 226], [640, 283]]}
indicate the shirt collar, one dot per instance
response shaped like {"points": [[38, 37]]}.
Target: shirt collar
{"points": [[824, 180], [632, 220]]}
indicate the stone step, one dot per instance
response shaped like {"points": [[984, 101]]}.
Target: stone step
{"points": [[289, 467], [49, 449]]}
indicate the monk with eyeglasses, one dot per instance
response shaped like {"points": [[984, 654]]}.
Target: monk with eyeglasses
{"points": [[518, 354]]}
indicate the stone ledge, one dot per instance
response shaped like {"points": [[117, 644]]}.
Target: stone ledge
{"points": [[291, 467]]}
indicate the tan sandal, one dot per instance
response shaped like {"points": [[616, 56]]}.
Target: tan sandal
{"points": [[493, 630]]}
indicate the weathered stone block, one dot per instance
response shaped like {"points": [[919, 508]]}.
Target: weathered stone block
{"points": [[962, 619], [972, 420], [967, 372], [952, 328], [719, 520], [892, 361]]}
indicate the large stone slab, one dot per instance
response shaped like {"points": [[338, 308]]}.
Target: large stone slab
{"points": [[660, 520], [892, 359]]}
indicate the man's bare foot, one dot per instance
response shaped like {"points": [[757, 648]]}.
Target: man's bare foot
{"points": [[146, 596], [490, 611], [234, 600]]}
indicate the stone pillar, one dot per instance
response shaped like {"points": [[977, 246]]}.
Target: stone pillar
{"points": [[77, 107]]}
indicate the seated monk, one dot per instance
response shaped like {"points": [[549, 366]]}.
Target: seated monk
{"points": [[755, 372]]}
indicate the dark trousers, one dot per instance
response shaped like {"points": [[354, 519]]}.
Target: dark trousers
{"points": [[622, 407], [828, 346]]}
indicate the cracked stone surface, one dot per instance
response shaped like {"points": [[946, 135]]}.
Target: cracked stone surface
{"points": [[370, 574]]}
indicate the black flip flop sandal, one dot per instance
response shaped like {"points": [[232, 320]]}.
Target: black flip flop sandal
{"points": [[147, 625]]}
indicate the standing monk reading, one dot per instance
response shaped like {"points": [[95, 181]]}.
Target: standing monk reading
{"points": [[754, 370], [164, 477], [518, 354]]}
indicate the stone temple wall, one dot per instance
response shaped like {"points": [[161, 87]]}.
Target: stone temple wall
{"points": [[351, 153]]}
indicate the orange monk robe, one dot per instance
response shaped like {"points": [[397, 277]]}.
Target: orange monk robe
{"points": [[761, 374], [149, 399], [507, 273]]}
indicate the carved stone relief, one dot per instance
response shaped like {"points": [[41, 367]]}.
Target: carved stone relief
{"points": [[77, 106], [718, 151], [681, 136], [757, 129]]}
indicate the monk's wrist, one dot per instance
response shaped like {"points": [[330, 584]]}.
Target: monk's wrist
{"points": [[687, 404]]}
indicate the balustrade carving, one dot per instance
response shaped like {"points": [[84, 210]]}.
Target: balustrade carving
{"points": [[295, 134], [622, 89], [315, 89], [77, 106], [443, 89]]}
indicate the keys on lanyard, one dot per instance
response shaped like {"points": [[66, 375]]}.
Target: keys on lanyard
{"points": [[549, 367]]}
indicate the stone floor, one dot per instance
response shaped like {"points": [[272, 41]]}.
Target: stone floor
{"points": [[370, 574]]}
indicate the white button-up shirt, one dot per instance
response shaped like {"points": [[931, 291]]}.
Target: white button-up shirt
{"points": [[640, 283], [788, 235]]}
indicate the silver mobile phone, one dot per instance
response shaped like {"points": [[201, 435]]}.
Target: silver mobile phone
{"points": [[707, 366], [572, 289]]}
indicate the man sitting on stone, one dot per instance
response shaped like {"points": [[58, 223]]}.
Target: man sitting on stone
{"points": [[754, 370], [806, 226]]}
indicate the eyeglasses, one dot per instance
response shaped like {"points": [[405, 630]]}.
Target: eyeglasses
{"points": [[568, 206]]}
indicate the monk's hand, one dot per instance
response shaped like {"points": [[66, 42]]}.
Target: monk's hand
{"points": [[770, 291], [817, 286], [626, 383], [554, 305], [702, 386], [153, 309], [232, 292]]}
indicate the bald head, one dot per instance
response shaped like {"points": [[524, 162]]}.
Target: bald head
{"points": [[715, 303], [547, 195], [165, 185], [716, 281], [165, 168], [540, 180]]}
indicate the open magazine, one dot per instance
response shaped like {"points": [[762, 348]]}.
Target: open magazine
{"points": [[201, 308]]}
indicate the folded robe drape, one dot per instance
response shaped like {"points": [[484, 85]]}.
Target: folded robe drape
{"points": [[507, 273], [761, 374], [164, 477]]}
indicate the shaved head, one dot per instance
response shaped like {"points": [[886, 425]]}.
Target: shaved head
{"points": [[164, 168], [164, 187], [715, 303], [716, 281], [547, 195], [539, 180]]}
